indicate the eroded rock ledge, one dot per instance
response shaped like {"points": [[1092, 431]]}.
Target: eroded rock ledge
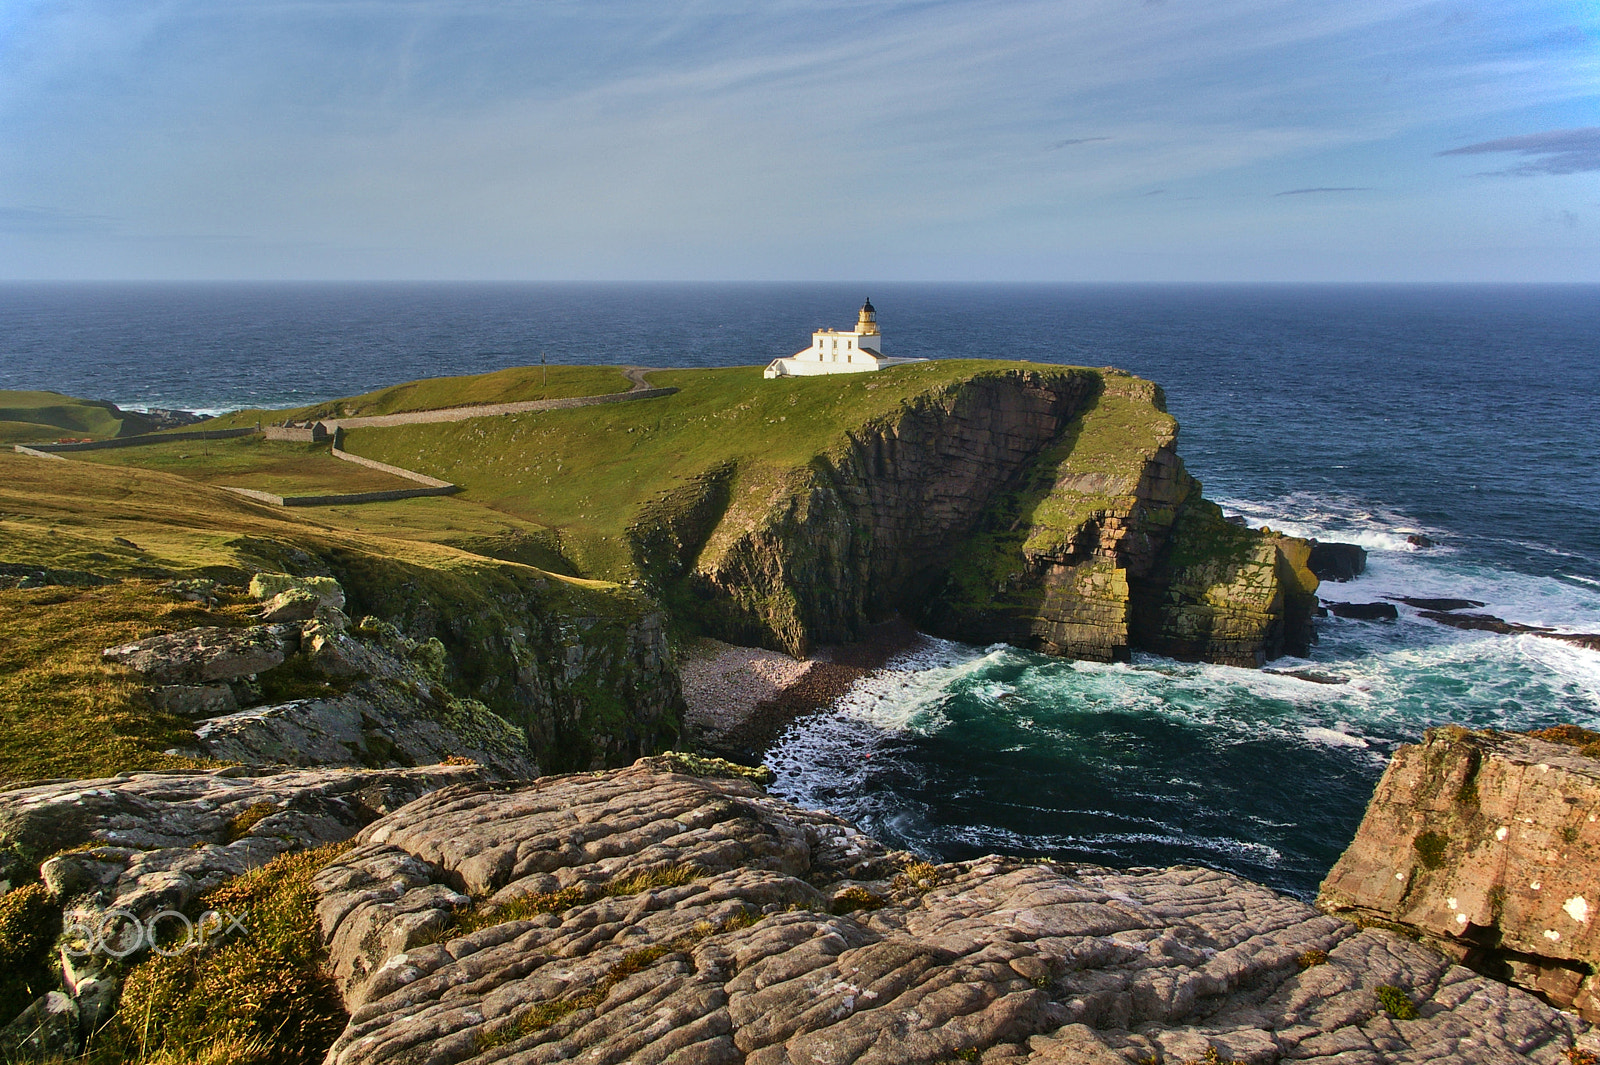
{"points": [[644, 915], [1487, 843]]}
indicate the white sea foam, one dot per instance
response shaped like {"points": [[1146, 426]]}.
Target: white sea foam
{"points": [[1333, 737], [1001, 839], [1403, 676], [1397, 569]]}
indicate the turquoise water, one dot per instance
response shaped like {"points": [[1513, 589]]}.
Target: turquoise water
{"points": [[957, 751], [1364, 413]]}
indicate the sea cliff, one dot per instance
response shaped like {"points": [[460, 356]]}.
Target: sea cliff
{"points": [[1045, 507]]}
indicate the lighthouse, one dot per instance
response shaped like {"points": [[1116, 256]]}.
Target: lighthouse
{"points": [[836, 351]]}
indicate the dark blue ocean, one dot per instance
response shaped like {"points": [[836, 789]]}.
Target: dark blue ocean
{"points": [[1467, 414]]}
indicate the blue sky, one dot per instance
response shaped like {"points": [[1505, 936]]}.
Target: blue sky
{"points": [[1092, 140]]}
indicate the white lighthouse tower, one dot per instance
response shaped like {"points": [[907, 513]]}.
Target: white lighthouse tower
{"points": [[836, 351]]}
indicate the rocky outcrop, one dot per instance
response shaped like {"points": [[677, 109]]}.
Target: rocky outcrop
{"points": [[143, 841], [1487, 843], [1336, 562], [207, 655], [385, 704], [1105, 545], [115, 853], [1045, 508], [371, 696], [647, 916]]}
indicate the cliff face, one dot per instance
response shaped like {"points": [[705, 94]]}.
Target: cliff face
{"points": [[1047, 508], [1487, 844], [585, 671]]}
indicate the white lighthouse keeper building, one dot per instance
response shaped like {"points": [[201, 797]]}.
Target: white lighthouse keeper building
{"points": [[834, 351]]}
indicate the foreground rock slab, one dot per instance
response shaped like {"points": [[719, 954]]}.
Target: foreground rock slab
{"points": [[1488, 843], [645, 915], [142, 842]]}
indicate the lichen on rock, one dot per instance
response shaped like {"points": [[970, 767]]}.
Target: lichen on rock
{"points": [[1487, 844]]}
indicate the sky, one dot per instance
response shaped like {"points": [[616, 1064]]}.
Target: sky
{"points": [[970, 140]]}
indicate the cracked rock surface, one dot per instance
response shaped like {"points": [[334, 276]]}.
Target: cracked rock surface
{"points": [[647, 916], [154, 841]]}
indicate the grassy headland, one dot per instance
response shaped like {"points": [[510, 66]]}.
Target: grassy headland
{"points": [[27, 417], [588, 473], [516, 384]]}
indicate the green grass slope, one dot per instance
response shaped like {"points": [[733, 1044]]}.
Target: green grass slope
{"points": [[588, 473], [27, 417], [64, 712], [517, 384], [255, 462]]}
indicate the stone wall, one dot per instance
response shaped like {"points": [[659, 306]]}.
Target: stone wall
{"points": [[147, 438]]}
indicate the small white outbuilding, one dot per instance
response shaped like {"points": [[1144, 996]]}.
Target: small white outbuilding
{"points": [[833, 351]]}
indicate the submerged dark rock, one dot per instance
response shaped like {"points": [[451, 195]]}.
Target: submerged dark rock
{"points": [[1481, 622], [1364, 611], [1315, 676], [1337, 562], [1436, 604]]}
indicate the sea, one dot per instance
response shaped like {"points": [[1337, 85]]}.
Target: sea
{"points": [[1467, 415]]}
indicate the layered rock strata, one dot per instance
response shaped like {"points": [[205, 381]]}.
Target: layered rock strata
{"points": [[648, 916], [1487, 844], [1045, 508]]}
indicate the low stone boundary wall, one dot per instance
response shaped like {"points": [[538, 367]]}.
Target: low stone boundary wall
{"points": [[23, 449], [147, 438], [458, 414], [345, 499], [384, 467]]}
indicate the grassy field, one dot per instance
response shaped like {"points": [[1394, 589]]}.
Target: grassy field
{"points": [[63, 712], [28, 417], [252, 462], [587, 472], [518, 384]]}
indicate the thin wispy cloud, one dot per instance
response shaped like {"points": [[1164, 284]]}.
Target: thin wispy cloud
{"points": [[44, 220], [726, 138], [1557, 151], [1325, 188]]}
